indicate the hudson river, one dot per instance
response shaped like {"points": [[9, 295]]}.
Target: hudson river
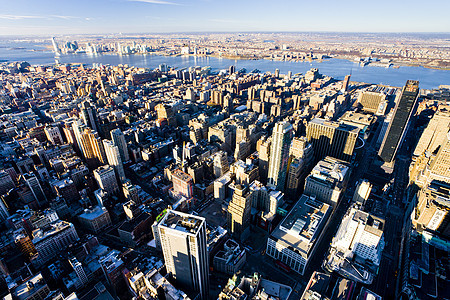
{"points": [[337, 68]]}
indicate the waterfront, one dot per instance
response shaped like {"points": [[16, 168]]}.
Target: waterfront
{"points": [[337, 68]]}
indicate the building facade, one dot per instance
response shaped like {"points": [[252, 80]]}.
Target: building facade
{"points": [[183, 242]]}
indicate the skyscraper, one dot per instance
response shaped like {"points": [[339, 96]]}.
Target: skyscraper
{"points": [[263, 148], [35, 187], [182, 184], [53, 134], [221, 165], [90, 144], [435, 134], [331, 139], [114, 159], [239, 213], [106, 179], [118, 140], [183, 242], [345, 83], [89, 116], [279, 154], [440, 166], [400, 121]]}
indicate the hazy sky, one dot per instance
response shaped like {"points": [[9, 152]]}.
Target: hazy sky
{"points": [[113, 16]]}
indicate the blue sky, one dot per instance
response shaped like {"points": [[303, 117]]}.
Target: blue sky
{"points": [[127, 16]]}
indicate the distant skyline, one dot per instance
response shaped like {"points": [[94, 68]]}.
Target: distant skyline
{"points": [[50, 17]]}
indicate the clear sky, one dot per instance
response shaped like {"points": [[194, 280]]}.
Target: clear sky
{"points": [[132, 16]]}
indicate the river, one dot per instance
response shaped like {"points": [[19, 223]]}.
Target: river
{"points": [[337, 68]]}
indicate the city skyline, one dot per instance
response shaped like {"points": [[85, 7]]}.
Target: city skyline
{"points": [[139, 16], [206, 149]]}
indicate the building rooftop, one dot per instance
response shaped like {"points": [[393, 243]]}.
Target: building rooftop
{"points": [[317, 286], [301, 227], [182, 222], [93, 213], [181, 175], [330, 169], [103, 169], [55, 227], [335, 125], [357, 119], [28, 288]]}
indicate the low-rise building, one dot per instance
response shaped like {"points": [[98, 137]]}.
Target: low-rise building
{"points": [[95, 219], [230, 259]]}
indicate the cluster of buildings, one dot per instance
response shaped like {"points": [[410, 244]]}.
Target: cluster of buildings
{"points": [[274, 46], [127, 182]]}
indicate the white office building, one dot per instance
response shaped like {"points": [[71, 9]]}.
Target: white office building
{"points": [[183, 242]]}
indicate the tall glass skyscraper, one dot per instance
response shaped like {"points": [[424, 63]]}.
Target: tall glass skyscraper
{"points": [[399, 125], [279, 154], [118, 140]]}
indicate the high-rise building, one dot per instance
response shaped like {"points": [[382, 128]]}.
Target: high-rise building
{"points": [[69, 132], [35, 288], [239, 212], [6, 182], [53, 134], [164, 111], [330, 138], [118, 140], [114, 159], [244, 173], [183, 242], [260, 195], [328, 180], [294, 241], [23, 242], [183, 184], [78, 268], [296, 174], [221, 165], [345, 83], [66, 189], [300, 148], [263, 148], [222, 134], [400, 122], [243, 149], [431, 211], [90, 145], [435, 134], [106, 179], [50, 242], [131, 192], [4, 212], [95, 219], [89, 116], [440, 166], [35, 187], [302, 156], [279, 154], [360, 234]]}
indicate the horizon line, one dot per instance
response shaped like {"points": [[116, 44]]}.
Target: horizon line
{"points": [[230, 32]]}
